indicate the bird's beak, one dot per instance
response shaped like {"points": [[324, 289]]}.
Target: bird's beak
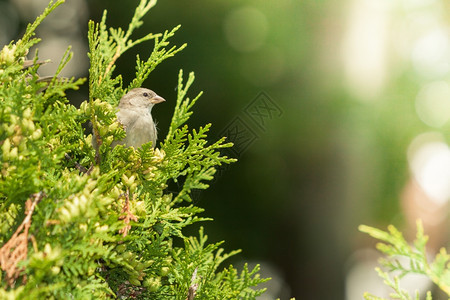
{"points": [[157, 99]]}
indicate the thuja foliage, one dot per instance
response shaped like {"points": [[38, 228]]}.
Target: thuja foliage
{"points": [[395, 247], [84, 222]]}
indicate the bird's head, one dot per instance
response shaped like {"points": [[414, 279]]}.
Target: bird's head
{"points": [[140, 98]]}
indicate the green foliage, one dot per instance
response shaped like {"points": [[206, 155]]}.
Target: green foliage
{"points": [[99, 222], [395, 246]]}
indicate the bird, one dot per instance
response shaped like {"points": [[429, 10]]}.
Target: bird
{"points": [[27, 63], [134, 114]]}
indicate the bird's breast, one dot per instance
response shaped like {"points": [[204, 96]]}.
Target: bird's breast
{"points": [[139, 128]]}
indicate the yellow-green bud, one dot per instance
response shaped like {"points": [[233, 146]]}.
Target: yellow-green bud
{"points": [[148, 263], [159, 155], [83, 227], [168, 260], [103, 130], [149, 176], [27, 113], [134, 281], [128, 255], [23, 145], [164, 271], [9, 129], [105, 200], [139, 266], [108, 140], [115, 192], [7, 55], [28, 125], [55, 270], [113, 126], [149, 170], [14, 119], [103, 228], [85, 108], [121, 248], [90, 186], [128, 181], [83, 201], [134, 263], [16, 139], [133, 187], [36, 134], [91, 271], [13, 154], [64, 215], [140, 208], [6, 148], [153, 283]]}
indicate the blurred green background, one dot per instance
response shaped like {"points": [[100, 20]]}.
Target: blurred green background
{"points": [[354, 107]]}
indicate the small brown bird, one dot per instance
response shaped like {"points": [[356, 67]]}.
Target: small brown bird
{"points": [[134, 114], [47, 79]]}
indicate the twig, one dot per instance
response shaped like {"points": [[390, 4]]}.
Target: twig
{"points": [[127, 216], [16, 249], [98, 140], [192, 291], [111, 63], [79, 167]]}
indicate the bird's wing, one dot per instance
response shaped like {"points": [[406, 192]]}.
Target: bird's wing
{"points": [[127, 118]]}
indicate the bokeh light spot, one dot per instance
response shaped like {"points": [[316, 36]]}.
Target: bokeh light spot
{"points": [[364, 48], [430, 54], [429, 159], [433, 104]]}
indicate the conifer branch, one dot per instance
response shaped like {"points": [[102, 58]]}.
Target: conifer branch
{"points": [[396, 246], [109, 234]]}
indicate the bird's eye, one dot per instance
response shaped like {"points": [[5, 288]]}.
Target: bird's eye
{"points": [[145, 95]]}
